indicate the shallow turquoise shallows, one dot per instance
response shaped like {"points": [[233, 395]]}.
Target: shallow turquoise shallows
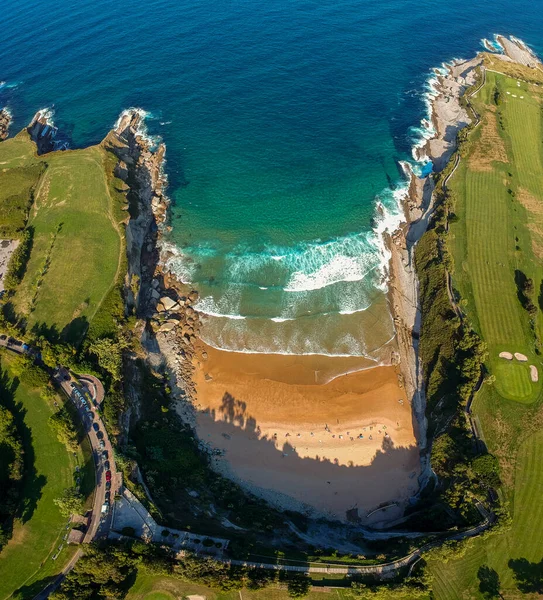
{"points": [[284, 121]]}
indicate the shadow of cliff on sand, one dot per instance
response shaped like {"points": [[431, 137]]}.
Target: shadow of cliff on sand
{"points": [[275, 470]]}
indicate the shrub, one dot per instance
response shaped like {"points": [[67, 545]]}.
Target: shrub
{"points": [[18, 261]]}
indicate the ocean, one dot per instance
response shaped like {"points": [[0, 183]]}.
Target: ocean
{"points": [[285, 124]]}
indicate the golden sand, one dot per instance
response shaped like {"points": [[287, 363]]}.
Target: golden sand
{"points": [[309, 431]]}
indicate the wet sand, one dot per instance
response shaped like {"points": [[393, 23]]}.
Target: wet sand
{"points": [[309, 432]]}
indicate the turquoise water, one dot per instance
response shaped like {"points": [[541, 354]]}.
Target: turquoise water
{"points": [[284, 123]]}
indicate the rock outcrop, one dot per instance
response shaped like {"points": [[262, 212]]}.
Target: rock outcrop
{"points": [[44, 133], [140, 167], [5, 121]]}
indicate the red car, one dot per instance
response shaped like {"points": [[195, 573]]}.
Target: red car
{"points": [[108, 475]]}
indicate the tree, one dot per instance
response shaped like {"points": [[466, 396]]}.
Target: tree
{"points": [[70, 503], [109, 354], [298, 585], [489, 582], [62, 424]]}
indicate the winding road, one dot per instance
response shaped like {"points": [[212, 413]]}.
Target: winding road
{"points": [[78, 389]]}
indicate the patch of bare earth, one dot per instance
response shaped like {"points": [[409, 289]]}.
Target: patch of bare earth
{"points": [[489, 147], [535, 207]]}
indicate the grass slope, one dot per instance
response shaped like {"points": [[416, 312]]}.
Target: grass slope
{"points": [[27, 558], [458, 578], [497, 233], [157, 587], [77, 244], [20, 171]]}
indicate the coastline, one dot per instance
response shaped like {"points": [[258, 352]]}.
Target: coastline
{"points": [[5, 122], [448, 115], [197, 372]]}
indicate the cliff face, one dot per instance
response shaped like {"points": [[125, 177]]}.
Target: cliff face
{"points": [[44, 133], [140, 167], [5, 120]]}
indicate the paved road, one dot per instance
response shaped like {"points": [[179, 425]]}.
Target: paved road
{"points": [[99, 524], [79, 391]]}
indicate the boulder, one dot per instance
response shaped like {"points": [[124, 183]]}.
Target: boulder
{"points": [[168, 303], [193, 296], [167, 326], [121, 170]]}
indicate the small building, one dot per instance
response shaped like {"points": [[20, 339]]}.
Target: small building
{"points": [[76, 536]]}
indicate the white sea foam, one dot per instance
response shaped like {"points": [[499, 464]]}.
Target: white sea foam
{"points": [[338, 268], [47, 114], [153, 140]]}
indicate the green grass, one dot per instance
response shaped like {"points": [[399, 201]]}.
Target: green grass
{"points": [[20, 171], [496, 233], [77, 245], [157, 587], [27, 558], [458, 578], [492, 238]]}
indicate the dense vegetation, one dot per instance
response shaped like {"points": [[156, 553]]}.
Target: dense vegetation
{"points": [[109, 570], [19, 258], [11, 465], [452, 356]]}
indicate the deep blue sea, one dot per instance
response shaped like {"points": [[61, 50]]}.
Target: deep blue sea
{"points": [[284, 122]]}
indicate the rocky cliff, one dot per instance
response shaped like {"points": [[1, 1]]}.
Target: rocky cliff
{"points": [[140, 167], [5, 120]]}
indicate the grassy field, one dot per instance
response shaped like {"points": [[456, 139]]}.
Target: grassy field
{"points": [[499, 203], [154, 587], [498, 199], [77, 245], [459, 578], [20, 171], [27, 558]]}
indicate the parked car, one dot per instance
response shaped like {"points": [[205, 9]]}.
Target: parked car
{"points": [[108, 496], [108, 475], [105, 455], [96, 427], [102, 444], [108, 485], [100, 434], [72, 385], [107, 465]]}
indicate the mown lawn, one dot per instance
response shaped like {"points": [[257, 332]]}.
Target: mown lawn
{"points": [[498, 193], [20, 171], [27, 558], [499, 232], [157, 587], [459, 578], [77, 245]]}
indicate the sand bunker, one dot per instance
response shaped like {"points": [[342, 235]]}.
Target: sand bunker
{"points": [[534, 375], [521, 357], [309, 430], [506, 355]]}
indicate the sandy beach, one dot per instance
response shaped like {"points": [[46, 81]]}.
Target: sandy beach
{"points": [[309, 432]]}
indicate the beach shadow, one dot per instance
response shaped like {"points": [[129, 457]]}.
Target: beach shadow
{"points": [[309, 482]]}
